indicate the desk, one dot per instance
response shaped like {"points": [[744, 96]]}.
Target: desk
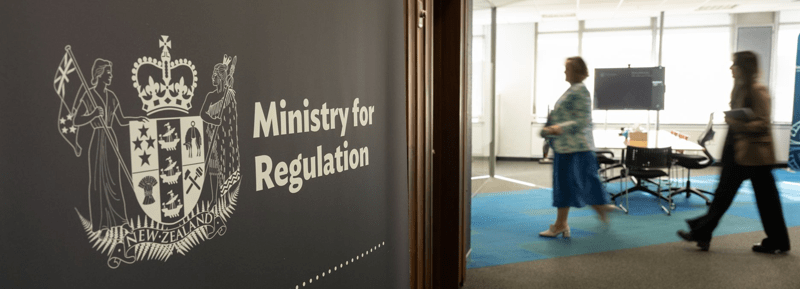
{"points": [[610, 139]]}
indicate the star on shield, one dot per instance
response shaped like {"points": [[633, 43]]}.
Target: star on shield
{"points": [[151, 143], [143, 130], [145, 158], [137, 143]]}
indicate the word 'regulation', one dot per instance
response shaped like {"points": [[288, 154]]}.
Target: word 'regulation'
{"points": [[322, 164]]}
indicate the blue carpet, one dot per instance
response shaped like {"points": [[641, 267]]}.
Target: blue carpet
{"points": [[505, 226]]}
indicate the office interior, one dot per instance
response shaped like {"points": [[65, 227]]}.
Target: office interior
{"points": [[517, 58]]}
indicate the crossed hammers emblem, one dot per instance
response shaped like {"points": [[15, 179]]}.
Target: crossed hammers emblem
{"points": [[197, 175]]}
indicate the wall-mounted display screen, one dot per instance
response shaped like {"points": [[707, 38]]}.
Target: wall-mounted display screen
{"points": [[640, 88]]}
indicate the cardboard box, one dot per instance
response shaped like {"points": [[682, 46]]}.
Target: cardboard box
{"points": [[637, 139]]}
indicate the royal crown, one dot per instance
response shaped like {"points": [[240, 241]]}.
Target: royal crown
{"points": [[165, 84]]}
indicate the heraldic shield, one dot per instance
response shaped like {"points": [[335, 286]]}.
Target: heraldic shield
{"points": [[167, 166]]}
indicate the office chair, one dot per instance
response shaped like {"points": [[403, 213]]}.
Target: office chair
{"points": [[696, 162], [646, 164], [606, 162]]}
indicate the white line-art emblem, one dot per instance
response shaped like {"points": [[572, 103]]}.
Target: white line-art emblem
{"points": [[794, 138], [171, 159], [794, 147]]}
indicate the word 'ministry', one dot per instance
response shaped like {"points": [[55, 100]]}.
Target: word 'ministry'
{"points": [[277, 122]]}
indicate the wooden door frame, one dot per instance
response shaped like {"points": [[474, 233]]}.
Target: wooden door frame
{"points": [[418, 136], [438, 122]]}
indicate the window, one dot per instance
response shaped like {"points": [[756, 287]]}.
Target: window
{"points": [[481, 37], [698, 78], [558, 26], [696, 53], [551, 83], [783, 91]]}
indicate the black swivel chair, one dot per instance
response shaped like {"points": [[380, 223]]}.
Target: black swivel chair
{"points": [[606, 162], [646, 164], [691, 162]]}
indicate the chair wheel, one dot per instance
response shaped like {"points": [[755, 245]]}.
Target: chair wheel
{"points": [[708, 203], [672, 206]]}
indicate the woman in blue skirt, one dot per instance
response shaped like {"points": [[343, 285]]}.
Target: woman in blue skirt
{"points": [[569, 131]]}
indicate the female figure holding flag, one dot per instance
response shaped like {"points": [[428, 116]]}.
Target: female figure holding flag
{"points": [[99, 107]]}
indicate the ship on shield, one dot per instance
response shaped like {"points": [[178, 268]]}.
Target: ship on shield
{"points": [[172, 159]]}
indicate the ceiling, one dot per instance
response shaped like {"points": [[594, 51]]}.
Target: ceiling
{"points": [[513, 11]]}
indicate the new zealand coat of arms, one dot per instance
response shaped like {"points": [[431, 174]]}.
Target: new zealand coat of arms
{"points": [[170, 161]]}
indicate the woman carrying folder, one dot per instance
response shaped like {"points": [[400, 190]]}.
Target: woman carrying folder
{"points": [[569, 131], [747, 154]]}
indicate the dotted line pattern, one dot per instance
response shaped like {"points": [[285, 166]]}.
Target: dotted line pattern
{"points": [[340, 266]]}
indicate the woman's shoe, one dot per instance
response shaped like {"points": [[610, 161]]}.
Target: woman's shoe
{"points": [[768, 250], [687, 236], [604, 211], [553, 233]]}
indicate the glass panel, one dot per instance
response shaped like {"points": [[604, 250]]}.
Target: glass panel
{"points": [[481, 86], [783, 93], [480, 20], [478, 68]]}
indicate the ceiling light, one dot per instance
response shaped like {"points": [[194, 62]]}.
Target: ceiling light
{"points": [[561, 15], [716, 7]]}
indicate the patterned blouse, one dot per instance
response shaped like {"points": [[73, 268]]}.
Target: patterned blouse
{"points": [[573, 112]]}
